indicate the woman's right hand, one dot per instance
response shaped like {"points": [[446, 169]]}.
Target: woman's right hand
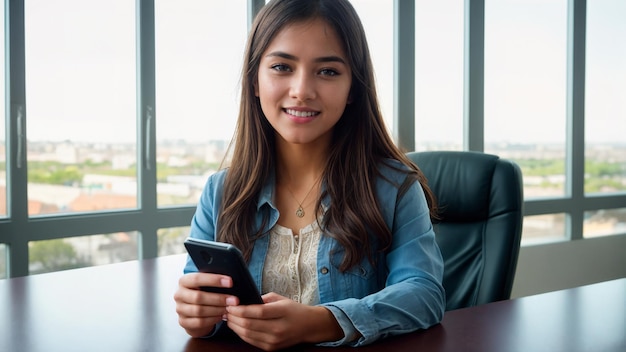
{"points": [[199, 311]]}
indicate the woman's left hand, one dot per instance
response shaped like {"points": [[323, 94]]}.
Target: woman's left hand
{"points": [[282, 322]]}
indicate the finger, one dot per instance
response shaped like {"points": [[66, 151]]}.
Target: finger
{"points": [[272, 310], [198, 323], [198, 297], [252, 311], [272, 297], [198, 327], [199, 311], [261, 335], [197, 280], [251, 328]]}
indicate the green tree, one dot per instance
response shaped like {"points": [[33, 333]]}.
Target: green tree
{"points": [[53, 255], [541, 167], [602, 168], [54, 173]]}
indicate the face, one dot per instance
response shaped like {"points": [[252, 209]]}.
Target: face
{"points": [[304, 82]]}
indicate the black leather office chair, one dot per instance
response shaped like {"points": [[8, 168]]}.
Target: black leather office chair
{"points": [[480, 202]]}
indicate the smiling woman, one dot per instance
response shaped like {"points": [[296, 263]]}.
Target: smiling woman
{"points": [[358, 258], [304, 83]]}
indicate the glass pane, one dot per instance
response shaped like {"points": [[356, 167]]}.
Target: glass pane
{"points": [[543, 170], [3, 261], [605, 107], [78, 252], [525, 81], [604, 222], [439, 75], [3, 139], [542, 228], [377, 19], [80, 105], [170, 240], [197, 85]]}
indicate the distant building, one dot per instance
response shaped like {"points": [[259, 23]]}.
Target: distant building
{"points": [[66, 153], [101, 201], [35, 207]]}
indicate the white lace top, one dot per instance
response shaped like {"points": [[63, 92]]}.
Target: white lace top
{"points": [[291, 264]]}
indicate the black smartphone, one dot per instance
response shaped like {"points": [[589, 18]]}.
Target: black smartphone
{"points": [[226, 259]]}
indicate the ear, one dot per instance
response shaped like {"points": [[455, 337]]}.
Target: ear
{"points": [[256, 88]]}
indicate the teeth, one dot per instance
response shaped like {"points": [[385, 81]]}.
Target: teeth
{"points": [[301, 113]]}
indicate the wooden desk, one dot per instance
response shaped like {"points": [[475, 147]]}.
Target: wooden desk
{"points": [[129, 307]]}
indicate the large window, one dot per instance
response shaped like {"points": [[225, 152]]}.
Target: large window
{"points": [[117, 112], [78, 184], [197, 91], [377, 19], [525, 76], [525, 99], [80, 107], [438, 75], [605, 114]]}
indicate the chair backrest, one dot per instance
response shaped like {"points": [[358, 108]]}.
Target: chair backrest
{"points": [[480, 201]]}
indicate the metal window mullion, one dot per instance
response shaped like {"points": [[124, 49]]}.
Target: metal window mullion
{"points": [[15, 231], [404, 74], [146, 134], [575, 118], [63, 226], [546, 206], [559, 205], [77, 225], [254, 6], [474, 76]]}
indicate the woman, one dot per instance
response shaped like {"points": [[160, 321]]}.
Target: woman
{"points": [[331, 216]]}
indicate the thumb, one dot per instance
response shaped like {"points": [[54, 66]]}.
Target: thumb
{"points": [[272, 297]]}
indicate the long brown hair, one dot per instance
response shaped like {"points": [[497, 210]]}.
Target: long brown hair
{"points": [[360, 141]]}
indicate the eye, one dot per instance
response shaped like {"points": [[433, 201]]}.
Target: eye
{"points": [[280, 68], [329, 72]]}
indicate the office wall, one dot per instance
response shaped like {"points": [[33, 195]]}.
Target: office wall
{"points": [[555, 266]]}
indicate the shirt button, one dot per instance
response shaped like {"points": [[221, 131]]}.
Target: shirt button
{"points": [[324, 270]]}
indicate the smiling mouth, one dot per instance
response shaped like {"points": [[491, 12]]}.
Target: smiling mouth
{"points": [[298, 113]]}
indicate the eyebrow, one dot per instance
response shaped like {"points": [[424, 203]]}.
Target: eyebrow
{"points": [[284, 55]]}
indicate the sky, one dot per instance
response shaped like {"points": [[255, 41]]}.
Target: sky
{"points": [[80, 70]]}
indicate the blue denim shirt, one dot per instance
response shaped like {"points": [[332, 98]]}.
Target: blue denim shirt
{"points": [[402, 293]]}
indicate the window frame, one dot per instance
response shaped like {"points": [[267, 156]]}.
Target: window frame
{"points": [[18, 229]]}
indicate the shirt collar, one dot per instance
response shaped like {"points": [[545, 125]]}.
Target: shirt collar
{"points": [[267, 192], [269, 187]]}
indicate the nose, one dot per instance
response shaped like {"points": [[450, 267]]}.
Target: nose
{"points": [[302, 86]]}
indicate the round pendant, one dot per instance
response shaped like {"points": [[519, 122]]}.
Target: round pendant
{"points": [[300, 212]]}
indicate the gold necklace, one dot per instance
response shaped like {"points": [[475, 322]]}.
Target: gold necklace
{"points": [[300, 211]]}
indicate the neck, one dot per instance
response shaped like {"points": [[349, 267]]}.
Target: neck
{"points": [[300, 166]]}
